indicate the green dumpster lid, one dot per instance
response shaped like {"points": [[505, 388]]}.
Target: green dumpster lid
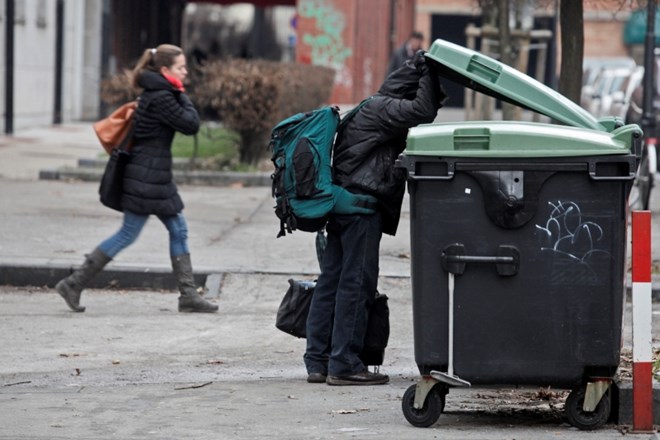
{"points": [[511, 139], [491, 77]]}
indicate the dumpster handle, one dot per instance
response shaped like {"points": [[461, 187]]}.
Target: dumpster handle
{"points": [[593, 176], [479, 259], [627, 170], [413, 176], [506, 261]]}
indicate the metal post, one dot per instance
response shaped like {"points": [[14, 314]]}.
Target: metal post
{"points": [[392, 28], [642, 407], [59, 61], [9, 67], [648, 116]]}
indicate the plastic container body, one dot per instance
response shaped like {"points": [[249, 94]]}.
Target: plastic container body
{"points": [[554, 315]]}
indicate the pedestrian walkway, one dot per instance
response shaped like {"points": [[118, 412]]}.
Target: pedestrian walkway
{"points": [[131, 367], [231, 229]]}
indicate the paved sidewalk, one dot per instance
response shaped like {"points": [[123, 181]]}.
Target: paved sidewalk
{"points": [[231, 229], [53, 223]]}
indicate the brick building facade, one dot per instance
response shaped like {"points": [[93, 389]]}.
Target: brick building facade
{"points": [[604, 21], [353, 37], [356, 37]]}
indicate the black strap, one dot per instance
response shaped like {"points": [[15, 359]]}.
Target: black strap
{"points": [[367, 204]]}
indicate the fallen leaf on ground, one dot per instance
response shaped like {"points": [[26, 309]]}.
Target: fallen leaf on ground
{"points": [[344, 411]]}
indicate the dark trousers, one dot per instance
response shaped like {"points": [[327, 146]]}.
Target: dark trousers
{"points": [[345, 290]]}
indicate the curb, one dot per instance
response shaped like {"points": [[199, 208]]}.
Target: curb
{"points": [[47, 275], [184, 177], [115, 278], [128, 277], [177, 163], [622, 403]]}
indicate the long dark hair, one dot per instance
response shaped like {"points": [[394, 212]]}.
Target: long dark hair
{"points": [[154, 59]]}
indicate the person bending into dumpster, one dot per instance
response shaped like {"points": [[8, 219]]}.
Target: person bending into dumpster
{"points": [[364, 154], [148, 187]]}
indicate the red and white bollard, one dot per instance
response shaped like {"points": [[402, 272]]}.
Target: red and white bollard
{"points": [[642, 408]]}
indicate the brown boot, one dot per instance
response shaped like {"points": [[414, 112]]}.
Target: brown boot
{"points": [[72, 286], [190, 300]]}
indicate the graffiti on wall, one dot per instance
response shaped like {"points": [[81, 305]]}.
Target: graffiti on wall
{"points": [[327, 45]]}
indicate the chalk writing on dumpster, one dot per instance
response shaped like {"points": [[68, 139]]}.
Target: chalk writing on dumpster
{"points": [[575, 239]]}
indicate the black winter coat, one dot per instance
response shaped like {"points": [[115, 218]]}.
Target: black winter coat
{"points": [[162, 110], [370, 142]]}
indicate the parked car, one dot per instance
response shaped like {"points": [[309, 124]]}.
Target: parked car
{"points": [[617, 103], [607, 81], [636, 104], [592, 67]]}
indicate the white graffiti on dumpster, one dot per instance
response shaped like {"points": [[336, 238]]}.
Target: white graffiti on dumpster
{"points": [[568, 233]]}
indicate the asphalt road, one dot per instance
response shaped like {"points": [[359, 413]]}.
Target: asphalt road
{"points": [[132, 367]]}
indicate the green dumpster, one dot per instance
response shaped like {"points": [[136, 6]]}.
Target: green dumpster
{"points": [[518, 240]]}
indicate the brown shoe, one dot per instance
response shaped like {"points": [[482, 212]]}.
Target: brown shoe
{"points": [[365, 377]]}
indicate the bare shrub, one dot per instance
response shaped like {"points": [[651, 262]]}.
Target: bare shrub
{"points": [[118, 89], [251, 96]]}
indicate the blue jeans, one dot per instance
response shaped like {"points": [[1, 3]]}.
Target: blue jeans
{"points": [[132, 226], [345, 290]]}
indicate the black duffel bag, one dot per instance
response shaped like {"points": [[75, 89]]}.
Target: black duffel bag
{"points": [[294, 308]]}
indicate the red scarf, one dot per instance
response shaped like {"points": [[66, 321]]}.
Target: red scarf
{"points": [[176, 82]]}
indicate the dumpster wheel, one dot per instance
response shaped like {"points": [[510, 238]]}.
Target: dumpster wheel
{"points": [[582, 419], [426, 416]]}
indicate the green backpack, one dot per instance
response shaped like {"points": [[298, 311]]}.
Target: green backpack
{"points": [[301, 148], [302, 182]]}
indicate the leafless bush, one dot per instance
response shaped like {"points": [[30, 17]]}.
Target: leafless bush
{"points": [[251, 96], [118, 89]]}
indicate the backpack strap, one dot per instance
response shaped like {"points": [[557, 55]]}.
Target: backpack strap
{"points": [[349, 115], [287, 219], [366, 204]]}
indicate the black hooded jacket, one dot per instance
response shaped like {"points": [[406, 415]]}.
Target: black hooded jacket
{"points": [[370, 142], [162, 110]]}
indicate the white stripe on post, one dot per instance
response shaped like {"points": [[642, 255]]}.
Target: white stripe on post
{"points": [[641, 322], [642, 316]]}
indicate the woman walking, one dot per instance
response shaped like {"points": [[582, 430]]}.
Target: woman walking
{"points": [[148, 187]]}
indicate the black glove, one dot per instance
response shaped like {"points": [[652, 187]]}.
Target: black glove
{"points": [[348, 203], [434, 67], [419, 61]]}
